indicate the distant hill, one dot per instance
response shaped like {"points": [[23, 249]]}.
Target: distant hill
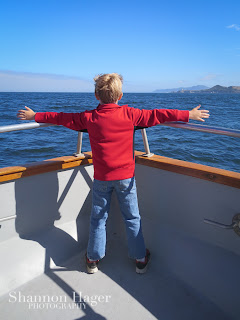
{"points": [[194, 88], [215, 89], [219, 89]]}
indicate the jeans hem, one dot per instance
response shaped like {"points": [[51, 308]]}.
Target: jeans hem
{"points": [[95, 259], [134, 258]]}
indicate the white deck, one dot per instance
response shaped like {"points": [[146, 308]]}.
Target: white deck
{"points": [[123, 294], [193, 273]]}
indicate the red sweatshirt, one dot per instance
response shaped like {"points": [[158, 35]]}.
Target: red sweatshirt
{"points": [[111, 130]]}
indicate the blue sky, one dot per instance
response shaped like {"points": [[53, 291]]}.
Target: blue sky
{"points": [[61, 45]]}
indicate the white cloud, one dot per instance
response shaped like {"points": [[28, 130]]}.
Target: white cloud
{"points": [[209, 76], [41, 82], [234, 26]]}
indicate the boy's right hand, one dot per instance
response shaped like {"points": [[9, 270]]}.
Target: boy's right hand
{"points": [[27, 114]]}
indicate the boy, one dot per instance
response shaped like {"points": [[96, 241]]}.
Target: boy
{"points": [[111, 130]]}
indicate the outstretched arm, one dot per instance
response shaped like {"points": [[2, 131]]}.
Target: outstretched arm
{"points": [[74, 121], [196, 114], [149, 118], [27, 114]]}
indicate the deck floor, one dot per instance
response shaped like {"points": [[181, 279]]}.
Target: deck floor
{"points": [[120, 293]]}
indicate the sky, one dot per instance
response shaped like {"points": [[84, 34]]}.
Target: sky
{"points": [[61, 45]]}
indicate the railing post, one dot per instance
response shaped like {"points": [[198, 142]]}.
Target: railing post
{"points": [[146, 145], [79, 145]]}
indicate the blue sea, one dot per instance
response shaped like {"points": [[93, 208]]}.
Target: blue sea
{"points": [[18, 148]]}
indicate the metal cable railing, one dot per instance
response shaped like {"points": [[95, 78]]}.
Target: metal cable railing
{"points": [[24, 126], [204, 128], [182, 125]]}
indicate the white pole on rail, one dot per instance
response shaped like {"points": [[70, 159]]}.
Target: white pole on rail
{"points": [[146, 145], [79, 145]]}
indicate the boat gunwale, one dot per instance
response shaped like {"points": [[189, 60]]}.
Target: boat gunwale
{"points": [[220, 176], [213, 174], [40, 167]]}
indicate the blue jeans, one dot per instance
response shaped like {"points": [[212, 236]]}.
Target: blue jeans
{"points": [[127, 196]]}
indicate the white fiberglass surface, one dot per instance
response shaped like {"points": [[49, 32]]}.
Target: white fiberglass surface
{"points": [[186, 279]]}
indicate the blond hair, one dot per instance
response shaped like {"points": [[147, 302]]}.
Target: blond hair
{"points": [[108, 87]]}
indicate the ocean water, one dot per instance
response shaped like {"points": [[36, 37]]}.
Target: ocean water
{"points": [[18, 148]]}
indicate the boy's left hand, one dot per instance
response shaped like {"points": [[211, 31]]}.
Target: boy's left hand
{"points": [[196, 114]]}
